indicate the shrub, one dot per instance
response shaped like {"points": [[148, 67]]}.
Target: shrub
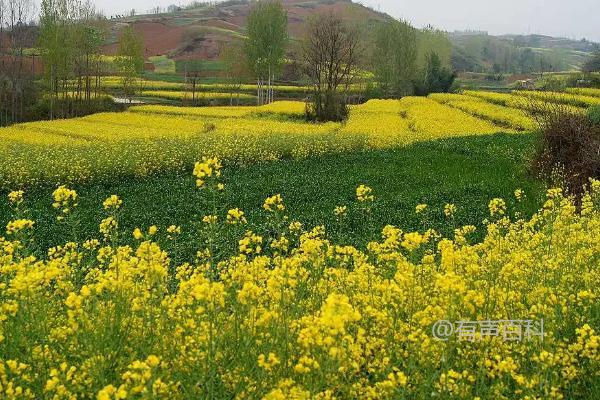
{"points": [[327, 106], [569, 143], [594, 115], [438, 79]]}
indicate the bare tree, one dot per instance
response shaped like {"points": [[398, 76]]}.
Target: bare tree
{"points": [[3, 76], [70, 35], [331, 51], [16, 81], [235, 69]]}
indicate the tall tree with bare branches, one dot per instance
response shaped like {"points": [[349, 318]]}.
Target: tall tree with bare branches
{"points": [[16, 80], [331, 52]]}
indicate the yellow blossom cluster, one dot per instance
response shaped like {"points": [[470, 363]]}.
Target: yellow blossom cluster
{"points": [[497, 207], [274, 204], [364, 194], [19, 225], [306, 318], [65, 200], [236, 216], [15, 198], [208, 170], [340, 211], [112, 203]]}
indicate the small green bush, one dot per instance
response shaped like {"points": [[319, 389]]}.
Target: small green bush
{"points": [[594, 115]]}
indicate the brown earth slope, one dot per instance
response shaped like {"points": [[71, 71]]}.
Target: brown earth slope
{"points": [[200, 32]]}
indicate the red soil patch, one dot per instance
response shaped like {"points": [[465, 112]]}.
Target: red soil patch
{"points": [[159, 38], [30, 64], [163, 37], [208, 49]]}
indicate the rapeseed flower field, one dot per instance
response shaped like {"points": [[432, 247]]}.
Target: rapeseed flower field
{"points": [[294, 315], [154, 138], [114, 82], [584, 91], [498, 114], [150, 139], [180, 95]]}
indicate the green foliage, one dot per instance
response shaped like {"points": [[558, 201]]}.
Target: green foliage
{"points": [[182, 66], [41, 109], [465, 171], [568, 149], [394, 58], [163, 64], [70, 40], [235, 68], [594, 115], [267, 37], [130, 59], [552, 83], [593, 64], [485, 53], [437, 78], [327, 105], [431, 40]]}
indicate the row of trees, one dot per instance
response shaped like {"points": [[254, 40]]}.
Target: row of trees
{"points": [[16, 67], [404, 60], [408, 61], [333, 54], [71, 36], [489, 54], [68, 43], [266, 45]]}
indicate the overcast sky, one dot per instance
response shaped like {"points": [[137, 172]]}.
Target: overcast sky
{"points": [[570, 18]]}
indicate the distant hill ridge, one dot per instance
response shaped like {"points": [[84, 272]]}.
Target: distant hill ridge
{"points": [[198, 32]]}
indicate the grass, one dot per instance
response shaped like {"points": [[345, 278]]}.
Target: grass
{"points": [[466, 171], [198, 65], [163, 64]]}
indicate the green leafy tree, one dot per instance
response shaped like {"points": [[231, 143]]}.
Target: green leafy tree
{"points": [[266, 44], [17, 85], [593, 64], [431, 40], [394, 58], [437, 78], [130, 60]]}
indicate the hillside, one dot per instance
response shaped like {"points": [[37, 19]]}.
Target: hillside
{"points": [[198, 33], [481, 52]]}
